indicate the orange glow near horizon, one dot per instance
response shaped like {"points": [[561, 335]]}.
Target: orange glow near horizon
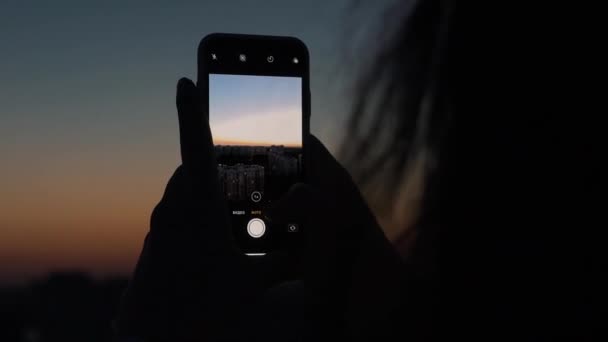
{"points": [[283, 126], [252, 143], [87, 211]]}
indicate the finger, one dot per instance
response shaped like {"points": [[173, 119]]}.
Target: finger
{"points": [[321, 221], [182, 206], [177, 185], [323, 168], [170, 209], [196, 142], [319, 212], [298, 204], [325, 172]]}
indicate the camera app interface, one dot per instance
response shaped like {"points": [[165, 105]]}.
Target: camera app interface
{"points": [[256, 122]]}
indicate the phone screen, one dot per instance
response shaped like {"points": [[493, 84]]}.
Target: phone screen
{"points": [[256, 123]]}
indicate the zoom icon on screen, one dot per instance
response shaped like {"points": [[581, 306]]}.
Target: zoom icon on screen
{"points": [[256, 196]]}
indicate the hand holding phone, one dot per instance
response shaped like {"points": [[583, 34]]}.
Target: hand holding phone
{"points": [[192, 279]]}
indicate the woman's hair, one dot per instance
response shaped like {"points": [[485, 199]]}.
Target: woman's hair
{"points": [[477, 86], [401, 107]]}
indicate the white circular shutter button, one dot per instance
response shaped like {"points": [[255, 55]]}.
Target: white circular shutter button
{"points": [[256, 228]]}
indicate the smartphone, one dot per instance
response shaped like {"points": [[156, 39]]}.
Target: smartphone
{"points": [[255, 90]]}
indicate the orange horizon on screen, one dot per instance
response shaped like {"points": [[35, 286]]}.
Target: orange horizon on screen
{"points": [[253, 143]]}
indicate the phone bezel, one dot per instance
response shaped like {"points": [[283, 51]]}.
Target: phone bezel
{"points": [[227, 48]]}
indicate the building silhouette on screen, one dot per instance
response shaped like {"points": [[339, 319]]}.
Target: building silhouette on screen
{"points": [[245, 169], [237, 182]]}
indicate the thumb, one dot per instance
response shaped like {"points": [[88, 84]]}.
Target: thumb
{"points": [[196, 142], [300, 201]]}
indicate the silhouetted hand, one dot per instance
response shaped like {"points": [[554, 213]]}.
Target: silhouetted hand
{"points": [[191, 281], [348, 264]]}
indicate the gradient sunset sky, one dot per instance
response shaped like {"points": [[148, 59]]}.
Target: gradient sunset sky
{"points": [[88, 127], [255, 110]]}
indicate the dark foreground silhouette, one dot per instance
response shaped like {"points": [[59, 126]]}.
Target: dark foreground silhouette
{"points": [[64, 306]]}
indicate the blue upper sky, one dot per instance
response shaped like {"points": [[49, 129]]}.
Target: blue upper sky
{"points": [[233, 96], [255, 110]]}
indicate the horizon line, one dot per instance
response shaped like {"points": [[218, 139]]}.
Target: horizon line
{"points": [[251, 143]]}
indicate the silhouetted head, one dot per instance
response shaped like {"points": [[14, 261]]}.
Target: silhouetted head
{"points": [[467, 96]]}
